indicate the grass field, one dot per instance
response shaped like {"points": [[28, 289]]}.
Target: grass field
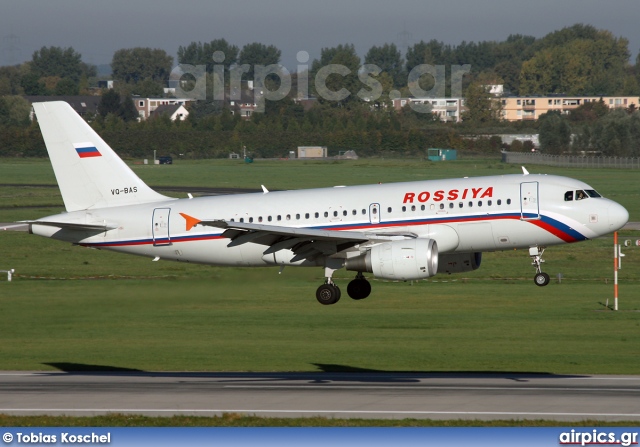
{"points": [[71, 308], [81, 307]]}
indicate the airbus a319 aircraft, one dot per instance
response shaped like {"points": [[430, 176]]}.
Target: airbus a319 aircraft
{"points": [[398, 231]]}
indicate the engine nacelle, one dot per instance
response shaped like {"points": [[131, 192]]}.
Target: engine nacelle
{"points": [[401, 260], [459, 262]]}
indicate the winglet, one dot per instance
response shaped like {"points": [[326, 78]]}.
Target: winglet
{"points": [[190, 221], [524, 171], [264, 189]]}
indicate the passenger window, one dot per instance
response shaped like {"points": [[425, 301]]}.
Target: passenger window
{"points": [[326, 214], [489, 202], [432, 207], [568, 196], [499, 202], [389, 209], [335, 214], [288, 216], [344, 213], [354, 212], [479, 202], [460, 204], [404, 208], [306, 216], [317, 215], [297, 216], [375, 211], [413, 207], [508, 201], [470, 204], [269, 218], [242, 219], [260, 219], [279, 217], [250, 219], [442, 206], [450, 204], [364, 211], [422, 207]]}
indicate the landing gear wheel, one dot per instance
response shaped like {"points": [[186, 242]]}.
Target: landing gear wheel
{"points": [[359, 289], [328, 294], [541, 279]]}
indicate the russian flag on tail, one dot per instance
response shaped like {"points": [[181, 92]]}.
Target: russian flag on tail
{"points": [[86, 150]]}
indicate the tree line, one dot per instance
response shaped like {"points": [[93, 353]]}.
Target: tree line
{"points": [[575, 60]]}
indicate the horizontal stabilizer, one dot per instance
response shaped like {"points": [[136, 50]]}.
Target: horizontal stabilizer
{"points": [[72, 226]]}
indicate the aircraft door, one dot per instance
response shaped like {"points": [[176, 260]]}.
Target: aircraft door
{"points": [[529, 205], [160, 226], [374, 213]]}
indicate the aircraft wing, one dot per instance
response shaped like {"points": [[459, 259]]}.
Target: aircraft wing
{"points": [[306, 243]]}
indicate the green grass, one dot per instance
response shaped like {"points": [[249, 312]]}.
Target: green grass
{"points": [[618, 184], [226, 323], [235, 420], [80, 306], [71, 307]]}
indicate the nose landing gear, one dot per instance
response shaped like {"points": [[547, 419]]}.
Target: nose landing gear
{"points": [[541, 279]]}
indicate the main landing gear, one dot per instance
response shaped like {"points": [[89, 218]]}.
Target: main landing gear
{"points": [[359, 288], [541, 279], [329, 292]]}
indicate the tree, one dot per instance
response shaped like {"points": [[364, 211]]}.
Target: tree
{"points": [[14, 111], [113, 104], [577, 60], [482, 108], [66, 86], [133, 65], [555, 133], [61, 62], [258, 54], [197, 53], [334, 76], [389, 59], [589, 112]]}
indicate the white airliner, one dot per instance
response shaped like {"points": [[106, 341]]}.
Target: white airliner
{"points": [[398, 231]]}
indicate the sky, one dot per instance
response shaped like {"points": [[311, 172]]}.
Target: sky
{"points": [[96, 29]]}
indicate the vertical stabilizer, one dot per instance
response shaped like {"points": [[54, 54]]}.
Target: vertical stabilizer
{"points": [[89, 173]]}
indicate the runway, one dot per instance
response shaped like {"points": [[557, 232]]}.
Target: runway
{"points": [[331, 395]]}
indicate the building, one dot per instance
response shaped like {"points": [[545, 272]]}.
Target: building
{"points": [[246, 105], [312, 152], [517, 108], [146, 106], [447, 109], [174, 111]]}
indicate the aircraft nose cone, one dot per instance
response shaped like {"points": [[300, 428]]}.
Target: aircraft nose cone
{"points": [[618, 216]]}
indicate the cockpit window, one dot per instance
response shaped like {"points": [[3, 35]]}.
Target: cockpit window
{"points": [[568, 196], [592, 193], [580, 195]]}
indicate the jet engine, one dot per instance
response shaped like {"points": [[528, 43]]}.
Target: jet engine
{"points": [[401, 260], [459, 262]]}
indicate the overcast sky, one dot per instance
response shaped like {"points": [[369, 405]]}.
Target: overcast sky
{"points": [[97, 29]]}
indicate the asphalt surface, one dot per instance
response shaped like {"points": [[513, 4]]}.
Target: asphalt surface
{"points": [[332, 395]]}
